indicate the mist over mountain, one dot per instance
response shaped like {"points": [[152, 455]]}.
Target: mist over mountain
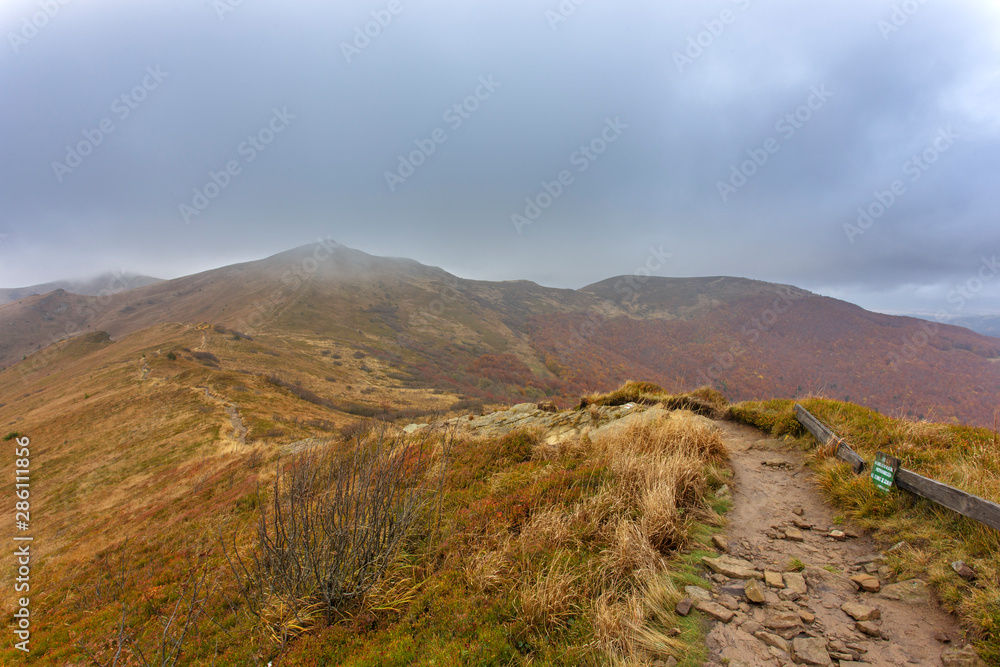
{"points": [[106, 283], [516, 339]]}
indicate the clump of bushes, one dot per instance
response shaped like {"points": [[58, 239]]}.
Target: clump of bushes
{"points": [[330, 527]]}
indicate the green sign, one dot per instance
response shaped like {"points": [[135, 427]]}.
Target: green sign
{"points": [[884, 471]]}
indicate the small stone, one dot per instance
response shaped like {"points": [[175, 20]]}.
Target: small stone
{"points": [[789, 594], [796, 582], [751, 627], [896, 547], [851, 534], [810, 651], [885, 572], [964, 570], [781, 620], [807, 616], [721, 543], [942, 637], [911, 591], [868, 628], [870, 558], [773, 579], [754, 592], [734, 568], [801, 524], [729, 602], [683, 607], [798, 511], [838, 535], [697, 593], [723, 491], [961, 657], [794, 534], [860, 612], [772, 640], [733, 588], [867, 582], [718, 612]]}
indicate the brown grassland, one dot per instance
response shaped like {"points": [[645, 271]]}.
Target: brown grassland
{"points": [[158, 458]]}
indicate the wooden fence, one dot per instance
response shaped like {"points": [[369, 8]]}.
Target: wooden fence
{"points": [[966, 504]]}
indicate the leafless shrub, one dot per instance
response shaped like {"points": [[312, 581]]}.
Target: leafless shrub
{"points": [[127, 646], [329, 530]]}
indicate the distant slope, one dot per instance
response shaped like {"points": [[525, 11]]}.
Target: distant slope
{"points": [[518, 340], [988, 325], [108, 283], [789, 344]]}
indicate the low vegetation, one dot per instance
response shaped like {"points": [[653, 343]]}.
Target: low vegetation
{"points": [[933, 537], [390, 549]]}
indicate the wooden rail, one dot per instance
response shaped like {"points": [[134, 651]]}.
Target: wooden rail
{"points": [[829, 438], [966, 504]]}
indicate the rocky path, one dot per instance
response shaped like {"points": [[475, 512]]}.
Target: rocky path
{"points": [[239, 427], [790, 587]]}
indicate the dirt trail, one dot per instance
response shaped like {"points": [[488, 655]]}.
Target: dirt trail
{"points": [[239, 427], [772, 491]]}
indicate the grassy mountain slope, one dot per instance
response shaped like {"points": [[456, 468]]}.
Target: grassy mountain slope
{"points": [[508, 340]]}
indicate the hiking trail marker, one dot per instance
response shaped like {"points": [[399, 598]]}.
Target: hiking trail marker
{"points": [[884, 471]]}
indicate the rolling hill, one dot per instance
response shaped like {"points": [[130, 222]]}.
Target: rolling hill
{"points": [[156, 415], [498, 341]]}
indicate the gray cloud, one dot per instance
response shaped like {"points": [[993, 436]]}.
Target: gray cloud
{"points": [[557, 84]]}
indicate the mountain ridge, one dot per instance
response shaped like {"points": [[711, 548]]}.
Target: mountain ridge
{"points": [[518, 339]]}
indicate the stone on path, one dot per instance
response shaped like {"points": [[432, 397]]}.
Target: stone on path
{"points": [[718, 612], [794, 534], [796, 582], [774, 579], [697, 593], [810, 651], [911, 591], [754, 592], [772, 640], [683, 607], [781, 620], [824, 580], [860, 612], [867, 582], [734, 568], [869, 628]]}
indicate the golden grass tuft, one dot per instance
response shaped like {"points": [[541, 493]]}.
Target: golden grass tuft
{"points": [[553, 598], [629, 554], [549, 529]]}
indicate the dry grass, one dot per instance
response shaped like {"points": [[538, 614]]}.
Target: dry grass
{"points": [[553, 598], [662, 471]]}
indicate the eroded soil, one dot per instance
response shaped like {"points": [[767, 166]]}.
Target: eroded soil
{"points": [[772, 491]]}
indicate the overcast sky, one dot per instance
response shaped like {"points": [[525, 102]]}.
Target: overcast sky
{"points": [[741, 137]]}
